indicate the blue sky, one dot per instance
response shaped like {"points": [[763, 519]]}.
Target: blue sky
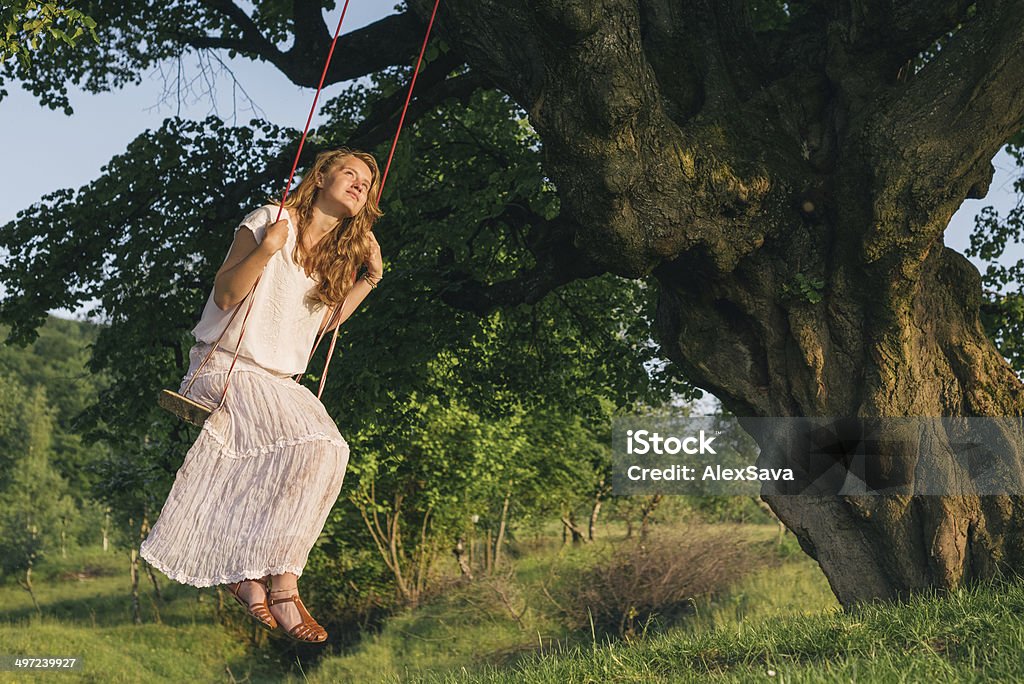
{"points": [[70, 151], [74, 148]]}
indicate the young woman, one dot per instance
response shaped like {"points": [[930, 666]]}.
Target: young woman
{"points": [[254, 491]]}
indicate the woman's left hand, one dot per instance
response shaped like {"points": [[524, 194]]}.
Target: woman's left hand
{"points": [[374, 261]]}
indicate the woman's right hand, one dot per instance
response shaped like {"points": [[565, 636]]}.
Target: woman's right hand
{"points": [[276, 236]]}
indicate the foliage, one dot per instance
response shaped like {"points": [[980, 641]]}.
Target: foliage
{"points": [[770, 15], [448, 474], [33, 496], [449, 409], [414, 376], [804, 288], [56, 361], [29, 25], [135, 35], [456, 170], [136, 241], [724, 508], [1002, 311]]}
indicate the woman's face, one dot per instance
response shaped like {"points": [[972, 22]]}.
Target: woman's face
{"points": [[346, 185]]}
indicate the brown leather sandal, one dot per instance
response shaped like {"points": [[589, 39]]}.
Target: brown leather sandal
{"points": [[309, 630], [260, 611]]}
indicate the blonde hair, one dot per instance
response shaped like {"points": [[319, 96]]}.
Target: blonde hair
{"points": [[335, 260]]}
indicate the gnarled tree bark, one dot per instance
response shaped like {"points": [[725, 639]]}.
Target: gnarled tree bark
{"points": [[789, 189]]}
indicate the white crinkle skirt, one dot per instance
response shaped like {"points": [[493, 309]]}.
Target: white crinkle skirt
{"points": [[254, 491]]}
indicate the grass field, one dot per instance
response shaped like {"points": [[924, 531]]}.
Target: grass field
{"points": [[780, 624]]}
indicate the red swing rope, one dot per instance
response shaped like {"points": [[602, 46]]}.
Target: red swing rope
{"points": [[291, 176], [380, 193]]}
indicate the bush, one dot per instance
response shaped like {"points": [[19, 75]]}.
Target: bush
{"points": [[729, 508], [637, 583]]}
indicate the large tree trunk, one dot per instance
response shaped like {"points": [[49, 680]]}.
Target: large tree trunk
{"points": [[789, 190], [930, 358]]}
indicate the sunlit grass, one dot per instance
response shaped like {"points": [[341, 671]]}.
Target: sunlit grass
{"points": [[970, 635], [777, 624]]}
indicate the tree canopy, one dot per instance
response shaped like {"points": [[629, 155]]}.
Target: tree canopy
{"points": [[450, 407], [756, 191], [30, 26]]}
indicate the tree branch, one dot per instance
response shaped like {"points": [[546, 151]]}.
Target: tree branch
{"points": [[500, 39], [214, 42], [975, 83], [933, 136], [892, 33], [392, 40], [250, 31], [558, 262], [310, 30], [581, 74], [387, 42], [671, 53], [432, 88], [730, 58], [303, 63]]}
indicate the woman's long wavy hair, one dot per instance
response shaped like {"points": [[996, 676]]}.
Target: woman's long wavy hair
{"points": [[336, 259]]}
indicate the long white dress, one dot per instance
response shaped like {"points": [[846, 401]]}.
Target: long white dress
{"points": [[255, 489]]}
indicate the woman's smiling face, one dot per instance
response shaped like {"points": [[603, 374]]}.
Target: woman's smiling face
{"points": [[347, 184]]}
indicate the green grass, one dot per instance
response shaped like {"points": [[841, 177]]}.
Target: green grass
{"points": [[967, 636], [781, 624], [470, 628], [179, 640], [144, 653]]}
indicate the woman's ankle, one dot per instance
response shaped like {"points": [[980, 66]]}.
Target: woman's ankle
{"points": [[284, 580]]}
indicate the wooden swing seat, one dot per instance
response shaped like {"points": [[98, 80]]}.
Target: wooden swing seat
{"points": [[188, 410]]}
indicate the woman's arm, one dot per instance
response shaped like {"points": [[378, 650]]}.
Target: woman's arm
{"points": [[361, 288], [355, 297], [245, 261]]}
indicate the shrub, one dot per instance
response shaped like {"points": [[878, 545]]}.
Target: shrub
{"points": [[639, 582]]}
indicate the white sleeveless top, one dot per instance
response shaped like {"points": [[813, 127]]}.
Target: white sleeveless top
{"points": [[282, 324]]}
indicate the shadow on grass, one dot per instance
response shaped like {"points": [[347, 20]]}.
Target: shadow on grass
{"points": [[101, 604]]}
